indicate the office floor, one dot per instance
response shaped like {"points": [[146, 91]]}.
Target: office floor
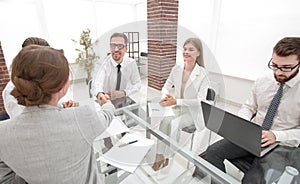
{"points": [[180, 174]]}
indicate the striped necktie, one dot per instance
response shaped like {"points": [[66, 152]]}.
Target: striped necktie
{"points": [[272, 109], [118, 77]]}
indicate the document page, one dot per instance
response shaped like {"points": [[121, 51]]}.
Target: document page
{"points": [[116, 127], [156, 110], [128, 152]]}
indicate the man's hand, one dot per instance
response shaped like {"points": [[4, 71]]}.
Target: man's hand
{"points": [[70, 103], [267, 138], [168, 101], [116, 94], [103, 98]]}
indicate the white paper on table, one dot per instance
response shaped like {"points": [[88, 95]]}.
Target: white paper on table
{"points": [[116, 127], [128, 157], [156, 110]]}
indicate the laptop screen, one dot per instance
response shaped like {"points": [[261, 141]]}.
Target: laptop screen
{"points": [[239, 131]]}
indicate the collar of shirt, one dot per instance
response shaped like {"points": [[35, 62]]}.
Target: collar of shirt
{"points": [[292, 82], [114, 63], [40, 108]]}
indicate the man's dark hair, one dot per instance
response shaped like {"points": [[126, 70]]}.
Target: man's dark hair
{"points": [[288, 46], [122, 35]]}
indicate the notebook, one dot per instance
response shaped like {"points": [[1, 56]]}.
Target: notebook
{"points": [[239, 131], [128, 152]]}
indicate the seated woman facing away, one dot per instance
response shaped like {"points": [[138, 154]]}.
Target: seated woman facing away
{"points": [[46, 144]]}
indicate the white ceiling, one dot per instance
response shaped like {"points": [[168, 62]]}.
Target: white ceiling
{"points": [[130, 2]]}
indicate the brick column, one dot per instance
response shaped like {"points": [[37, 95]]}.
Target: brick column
{"points": [[162, 22], [4, 77]]}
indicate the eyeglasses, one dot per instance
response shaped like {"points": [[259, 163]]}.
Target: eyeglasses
{"points": [[283, 68], [114, 45]]}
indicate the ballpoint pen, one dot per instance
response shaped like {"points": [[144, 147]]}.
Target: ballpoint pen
{"points": [[131, 142]]}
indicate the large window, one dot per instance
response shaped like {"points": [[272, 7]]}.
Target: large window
{"points": [[18, 20], [59, 21]]}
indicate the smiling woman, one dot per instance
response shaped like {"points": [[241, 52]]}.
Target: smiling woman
{"points": [[190, 84]]}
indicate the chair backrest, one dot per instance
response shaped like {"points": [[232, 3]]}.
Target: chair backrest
{"points": [[90, 88], [4, 116], [211, 94]]}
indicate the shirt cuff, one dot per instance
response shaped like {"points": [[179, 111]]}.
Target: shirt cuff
{"points": [[178, 101], [280, 136], [125, 92], [98, 93]]}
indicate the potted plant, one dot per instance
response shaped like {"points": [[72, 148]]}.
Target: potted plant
{"points": [[86, 55]]}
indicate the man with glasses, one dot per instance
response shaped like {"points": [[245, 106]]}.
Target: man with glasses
{"points": [[279, 117], [119, 75]]}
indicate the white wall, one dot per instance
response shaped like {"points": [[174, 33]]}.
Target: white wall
{"points": [[248, 32], [18, 21], [241, 34], [236, 90]]}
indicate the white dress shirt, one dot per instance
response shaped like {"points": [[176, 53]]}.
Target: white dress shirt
{"points": [[10, 102], [106, 77], [286, 124], [11, 105]]}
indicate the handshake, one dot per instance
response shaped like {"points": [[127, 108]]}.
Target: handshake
{"points": [[103, 98]]}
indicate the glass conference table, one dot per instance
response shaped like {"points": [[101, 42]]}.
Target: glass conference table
{"points": [[179, 170]]}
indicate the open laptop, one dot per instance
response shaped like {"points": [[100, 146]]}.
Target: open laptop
{"points": [[239, 131]]}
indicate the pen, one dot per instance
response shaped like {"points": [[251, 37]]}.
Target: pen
{"points": [[131, 142]]}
